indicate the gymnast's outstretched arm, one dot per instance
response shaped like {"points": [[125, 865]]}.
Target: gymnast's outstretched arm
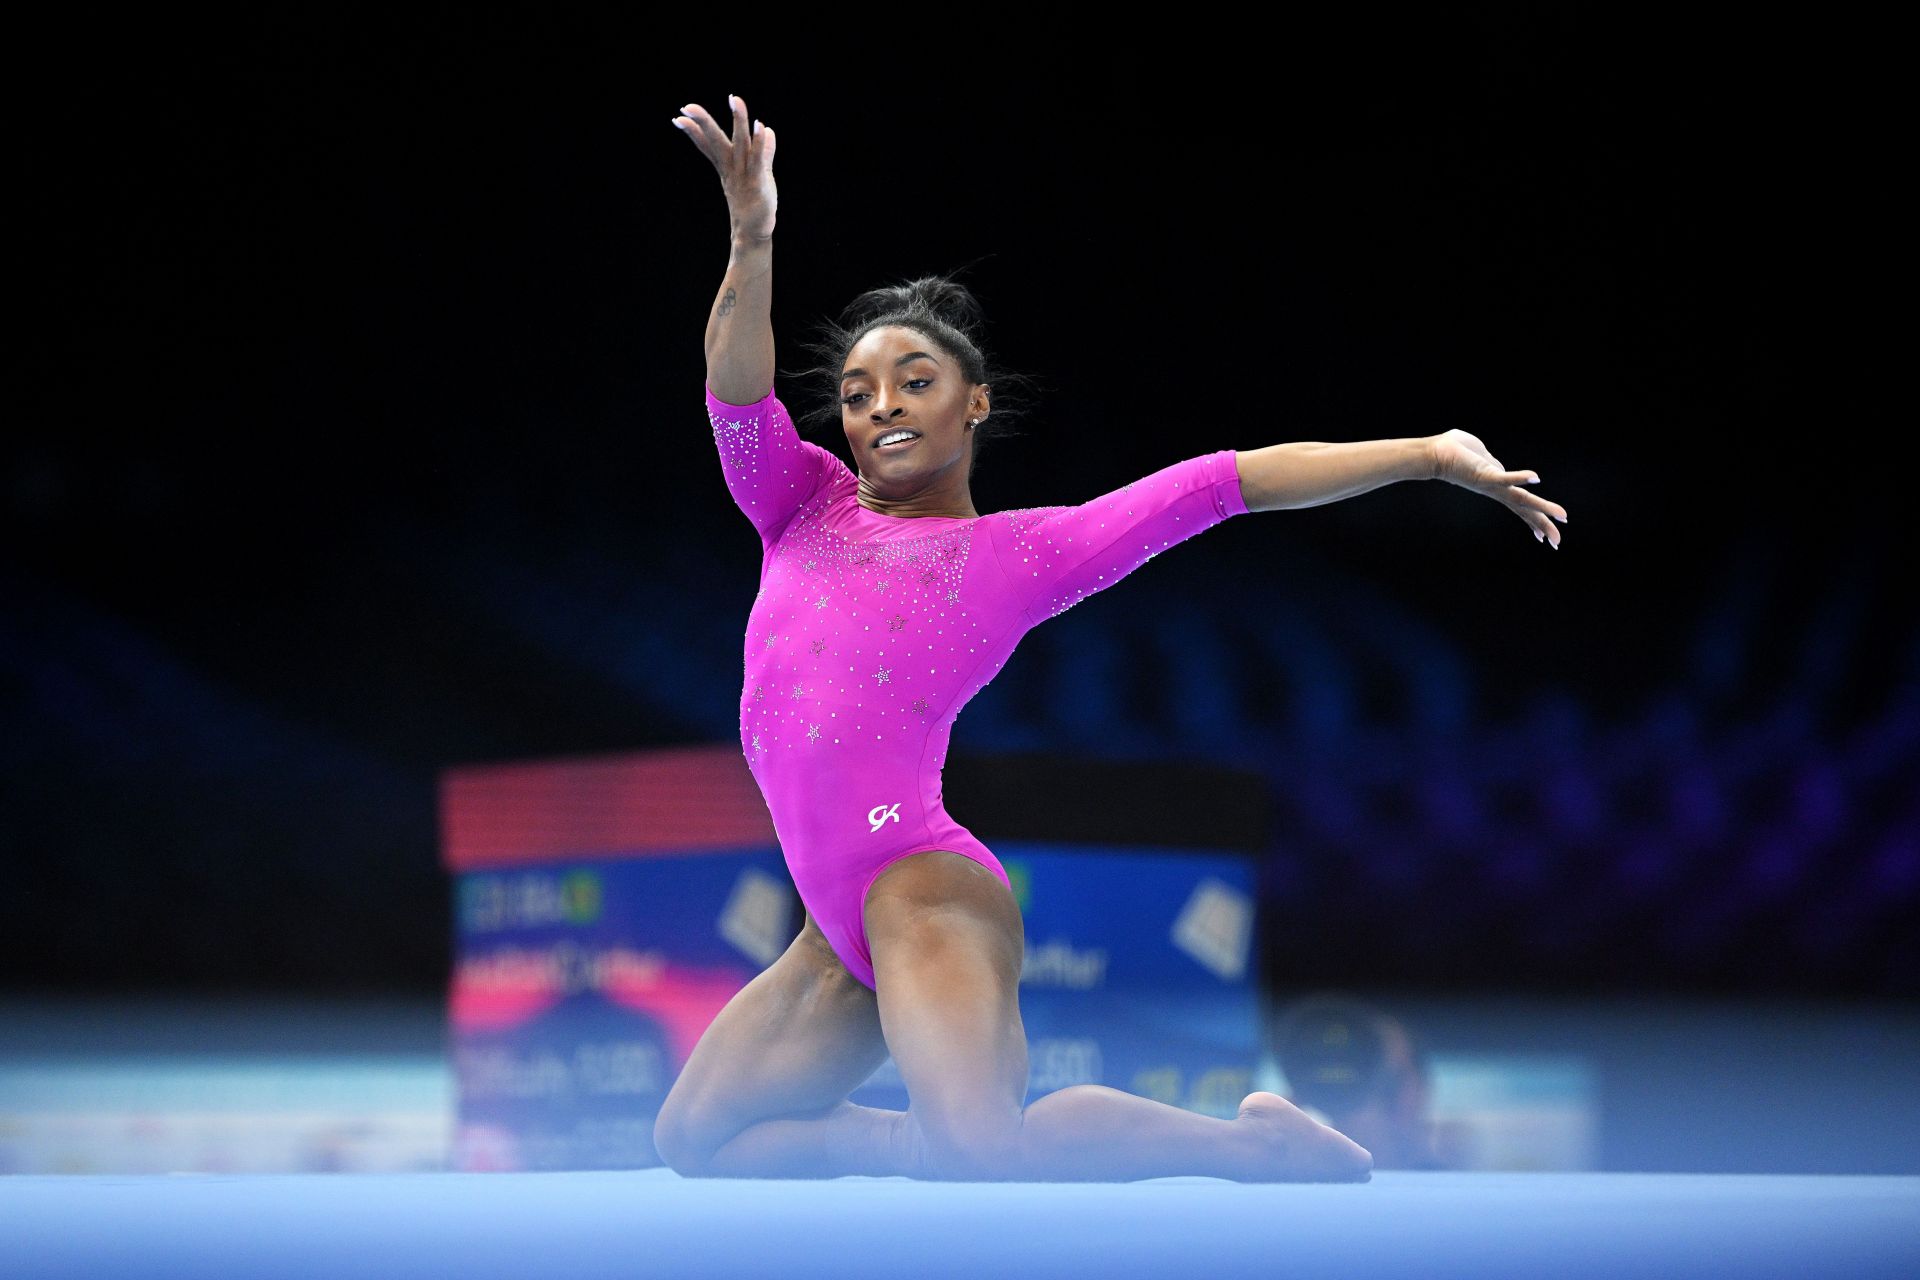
{"points": [[1310, 473], [739, 340]]}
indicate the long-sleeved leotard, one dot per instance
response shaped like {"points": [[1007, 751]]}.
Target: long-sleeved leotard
{"points": [[870, 632]]}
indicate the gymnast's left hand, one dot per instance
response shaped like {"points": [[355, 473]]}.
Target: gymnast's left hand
{"points": [[1459, 458]]}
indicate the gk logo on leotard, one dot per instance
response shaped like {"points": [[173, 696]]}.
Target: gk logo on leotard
{"points": [[881, 814]]}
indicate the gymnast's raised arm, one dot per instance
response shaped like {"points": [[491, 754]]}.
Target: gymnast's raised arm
{"points": [[740, 329], [770, 471]]}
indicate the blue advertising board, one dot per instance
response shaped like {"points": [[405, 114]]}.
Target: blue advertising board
{"points": [[581, 987]]}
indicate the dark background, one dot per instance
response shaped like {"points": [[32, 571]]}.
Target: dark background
{"points": [[361, 435]]}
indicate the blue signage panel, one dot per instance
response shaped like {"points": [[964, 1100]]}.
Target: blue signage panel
{"points": [[580, 988]]}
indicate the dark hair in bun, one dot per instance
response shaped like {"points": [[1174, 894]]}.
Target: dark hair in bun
{"points": [[950, 317]]}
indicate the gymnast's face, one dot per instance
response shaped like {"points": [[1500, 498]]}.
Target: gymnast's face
{"points": [[898, 379]]}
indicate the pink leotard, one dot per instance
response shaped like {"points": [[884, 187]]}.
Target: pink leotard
{"points": [[870, 632]]}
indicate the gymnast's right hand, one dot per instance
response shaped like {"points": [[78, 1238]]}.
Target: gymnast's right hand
{"points": [[744, 158]]}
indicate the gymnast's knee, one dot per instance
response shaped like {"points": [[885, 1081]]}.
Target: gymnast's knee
{"points": [[974, 1150], [678, 1142]]}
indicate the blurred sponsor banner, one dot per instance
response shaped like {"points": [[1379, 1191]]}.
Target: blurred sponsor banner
{"points": [[606, 909]]}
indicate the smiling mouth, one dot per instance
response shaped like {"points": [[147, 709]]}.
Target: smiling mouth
{"points": [[889, 448]]}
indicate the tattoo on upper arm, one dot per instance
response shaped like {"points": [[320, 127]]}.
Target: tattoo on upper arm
{"points": [[726, 303]]}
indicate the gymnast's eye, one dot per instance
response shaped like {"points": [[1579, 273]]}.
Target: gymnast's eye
{"points": [[912, 381]]}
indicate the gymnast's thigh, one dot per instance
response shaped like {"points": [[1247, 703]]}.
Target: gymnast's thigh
{"points": [[947, 942], [796, 1040]]}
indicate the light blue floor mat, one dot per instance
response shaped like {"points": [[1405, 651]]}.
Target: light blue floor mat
{"points": [[654, 1223]]}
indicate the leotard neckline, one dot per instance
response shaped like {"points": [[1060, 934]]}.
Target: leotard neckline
{"points": [[881, 515]]}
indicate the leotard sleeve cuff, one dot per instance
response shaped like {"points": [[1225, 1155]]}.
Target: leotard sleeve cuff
{"points": [[1226, 483], [761, 403]]}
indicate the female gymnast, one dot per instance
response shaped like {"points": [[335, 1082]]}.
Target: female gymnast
{"points": [[886, 602]]}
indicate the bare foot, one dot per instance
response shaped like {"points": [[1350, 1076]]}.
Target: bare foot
{"points": [[1294, 1147]]}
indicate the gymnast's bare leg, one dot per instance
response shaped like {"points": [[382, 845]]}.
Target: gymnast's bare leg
{"points": [[947, 942], [763, 1094]]}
